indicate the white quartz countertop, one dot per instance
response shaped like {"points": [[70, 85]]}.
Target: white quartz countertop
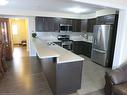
{"points": [[85, 40], [81, 39], [42, 49], [45, 50]]}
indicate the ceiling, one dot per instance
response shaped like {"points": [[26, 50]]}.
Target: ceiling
{"points": [[49, 6]]}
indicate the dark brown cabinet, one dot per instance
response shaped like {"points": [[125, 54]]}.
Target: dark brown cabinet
{"points": [[76, 25], [56, 25], [90, 24], [46, 24], [87, 47], [77, 47], [58, 43], [52, 24], [81, 47], [65, 21], [63, 79], [84, 25], [39, 24], [87, 25], [107, 19]]}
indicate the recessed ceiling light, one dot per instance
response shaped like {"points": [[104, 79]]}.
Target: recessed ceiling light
{"points": [[3, 2], [78, 10]]}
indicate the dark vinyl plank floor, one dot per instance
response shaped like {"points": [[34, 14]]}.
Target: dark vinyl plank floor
{"points": [[24, 76], [98, 92]]}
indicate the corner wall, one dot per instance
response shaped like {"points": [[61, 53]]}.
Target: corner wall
{"points": [[99, 13], [120, 55], [31, 29]]}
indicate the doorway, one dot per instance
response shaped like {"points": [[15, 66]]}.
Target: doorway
{"points": [[19, 36]]}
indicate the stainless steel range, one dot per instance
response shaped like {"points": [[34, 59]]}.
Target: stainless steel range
{"points": [[66, 42]]}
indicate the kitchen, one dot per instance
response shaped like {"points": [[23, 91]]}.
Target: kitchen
{"points": [[78, 38], [81, 43], [77, 35]]}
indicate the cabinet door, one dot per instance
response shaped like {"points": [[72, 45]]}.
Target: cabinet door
{"points": [[48, 24], [77, 47], [39, 24], [58, 43], [56, 25], [86, 48], [84, 25], [89, 48], [81, 47], [90, 24], [107, 19], [76, 25], [65, 21]]}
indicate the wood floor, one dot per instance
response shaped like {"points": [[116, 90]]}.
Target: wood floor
{"points": [[24, 76]]}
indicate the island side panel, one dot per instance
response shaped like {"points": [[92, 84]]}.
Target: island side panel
{"points": [[49, 69], [68, 77]]}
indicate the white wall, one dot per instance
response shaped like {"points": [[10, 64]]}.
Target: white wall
{"points": [[121, 41], [31, 28], [88, 16], [119, 4], [105, 12], [98, 13], [38, 13], [24, 13]]}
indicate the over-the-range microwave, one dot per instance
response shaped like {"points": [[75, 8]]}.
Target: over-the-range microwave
{"points": [[65, 28]]}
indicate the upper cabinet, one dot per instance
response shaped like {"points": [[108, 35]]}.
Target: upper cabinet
{"points": [[39, 24], [56, 25], [52, 24], [87, 25], [46, 24], [90, 24], [84, 25], [76, 25], [65, 21], [107, 19]]}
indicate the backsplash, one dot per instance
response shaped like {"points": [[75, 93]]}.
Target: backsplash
{"points": [[73, 35]]}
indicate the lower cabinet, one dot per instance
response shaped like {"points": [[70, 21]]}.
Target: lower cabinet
{"points": [[77, 47], [81, 47], [58, 43], [63, 78]]}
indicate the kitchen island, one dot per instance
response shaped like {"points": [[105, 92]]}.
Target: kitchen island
{"points": [[62, 68]]}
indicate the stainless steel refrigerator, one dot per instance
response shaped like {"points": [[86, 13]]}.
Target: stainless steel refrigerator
{"points": [[102, 35]]}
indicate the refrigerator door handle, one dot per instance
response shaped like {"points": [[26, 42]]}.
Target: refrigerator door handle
{"points": [[101, 51]]}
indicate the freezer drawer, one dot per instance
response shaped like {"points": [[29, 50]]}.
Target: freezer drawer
{"points": [[99, 57]]}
